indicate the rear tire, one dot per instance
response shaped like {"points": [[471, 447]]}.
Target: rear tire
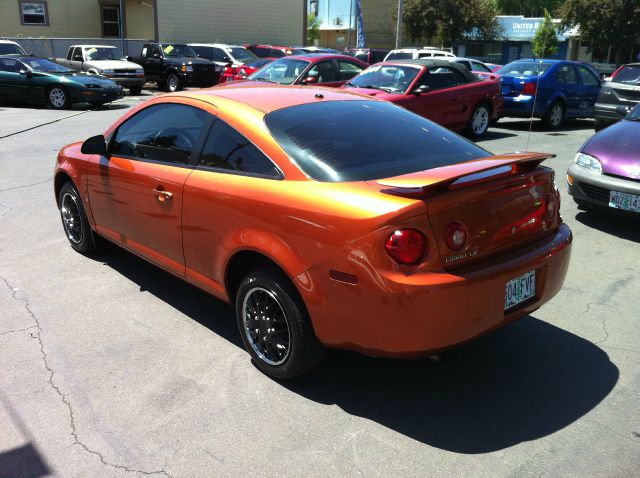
{"points": [[554, 117], [275, 326], [74, 219], [58, 97], [478, 121]]}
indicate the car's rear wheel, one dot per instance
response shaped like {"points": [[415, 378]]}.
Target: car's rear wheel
{"points": [[58, 97], [479, 121], [172, 82], [554, 116], [74, 219], [275, 326]]}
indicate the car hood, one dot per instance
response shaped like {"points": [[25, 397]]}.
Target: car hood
{"points": [[618, 149], [83, 78], [113, 64]]}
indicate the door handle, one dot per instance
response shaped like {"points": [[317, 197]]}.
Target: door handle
{"points": [[163, 195]]}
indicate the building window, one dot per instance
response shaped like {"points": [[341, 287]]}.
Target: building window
{"points": [[33, 13], [110, 21]]}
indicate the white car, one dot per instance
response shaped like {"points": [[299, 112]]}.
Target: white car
{"points": [[230, 57], [8, 47], [415, 53]]}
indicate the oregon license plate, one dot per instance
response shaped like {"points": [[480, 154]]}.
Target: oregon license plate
{"points": [[520, 289], [628, 202]]}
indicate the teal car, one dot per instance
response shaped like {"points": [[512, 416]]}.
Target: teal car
{"points": [[38, 80]]}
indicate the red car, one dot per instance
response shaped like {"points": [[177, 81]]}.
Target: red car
{"points": [[441, 91], [270, 51], [312, 68], [251, 66]]}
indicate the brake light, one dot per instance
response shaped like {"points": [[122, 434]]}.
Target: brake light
{"points": [[456, 235], [406, 246], [229, 70], [529, 89]]}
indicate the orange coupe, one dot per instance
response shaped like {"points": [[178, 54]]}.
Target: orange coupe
{"points": [[328, 218]]}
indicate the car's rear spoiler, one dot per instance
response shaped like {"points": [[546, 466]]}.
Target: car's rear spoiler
{"points": [[447, 178]]}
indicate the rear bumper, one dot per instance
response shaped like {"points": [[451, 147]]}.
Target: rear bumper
{"points": [[519, 106], [399, 315], [595, 188]]}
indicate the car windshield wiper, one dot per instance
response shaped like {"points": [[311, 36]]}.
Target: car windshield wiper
{"points": [[373, 87], [262, 79]]}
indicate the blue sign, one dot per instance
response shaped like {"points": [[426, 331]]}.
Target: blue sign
{"points": [[360, 42]]}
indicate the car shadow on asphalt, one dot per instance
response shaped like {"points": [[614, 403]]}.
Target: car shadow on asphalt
{"points": [[539, 127], [611, 222], [491, 135], [518, 384]]}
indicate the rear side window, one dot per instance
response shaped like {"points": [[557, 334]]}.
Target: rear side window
{"points": [[629, 74], [165, 132], [229, 150], [566, 74], [10, 65], [588, 78], [396, 141], [202, 52]]}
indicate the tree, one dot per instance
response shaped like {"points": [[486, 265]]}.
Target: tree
{"points": [[313, 28], [545, 42], [528, 8], [447, 21], [604, 23]]}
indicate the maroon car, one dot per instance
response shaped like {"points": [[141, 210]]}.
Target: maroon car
{"points": [[606, 170], [441, 91], [313, 68], [249, 67], [271, 51]]}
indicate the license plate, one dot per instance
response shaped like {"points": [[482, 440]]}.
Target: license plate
{"points": [[520, 289], [628, 202]]}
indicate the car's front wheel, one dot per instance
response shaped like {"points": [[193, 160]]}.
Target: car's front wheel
{"points": [[58, 97], [275, 326], [74, 219], [479, 121], [172, 82]]}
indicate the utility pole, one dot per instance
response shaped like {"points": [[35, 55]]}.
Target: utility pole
{"points": [[122, 28], [399, 24]]}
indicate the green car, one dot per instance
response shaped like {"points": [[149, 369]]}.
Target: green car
{"points": [[38, 80]]}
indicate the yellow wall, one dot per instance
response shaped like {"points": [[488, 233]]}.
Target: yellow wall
{"points": [[67, 18], [379, 23], [139, 19], [276, 22]]}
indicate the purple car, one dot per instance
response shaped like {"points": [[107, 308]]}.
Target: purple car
{"points": [[606, 170]]}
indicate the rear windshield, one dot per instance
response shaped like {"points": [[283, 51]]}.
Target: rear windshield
{"points": [[336, 141], [399, 56], [241, 54], [525, 68], [392, 78], [629, 74]]}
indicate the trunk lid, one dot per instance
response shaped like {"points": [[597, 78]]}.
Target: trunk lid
{"points": [[514, 85], [501, 201]]}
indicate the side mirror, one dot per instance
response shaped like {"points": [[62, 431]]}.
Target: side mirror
{"points": [[156, 56], [95, 145], [26, 73], [310, 80], [421, 89], [622, 110]]}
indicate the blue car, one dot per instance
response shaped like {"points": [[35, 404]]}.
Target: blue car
{"points": [[557, 90]]}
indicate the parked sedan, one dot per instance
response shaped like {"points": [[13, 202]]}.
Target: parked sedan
{"points": [[444, 92], [623, 89], [606, 170], [549, 89], [38, 80], [316, 69], [328, 219]]}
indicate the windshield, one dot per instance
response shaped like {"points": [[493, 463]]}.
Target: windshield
{"points": [[399, 56], [634, 114], [629, 74], [240, 53], [103, 53], [284, 71], [43, 65], [525, 68], [11, 49], [386, 77], [364, 140], [178, 50]]}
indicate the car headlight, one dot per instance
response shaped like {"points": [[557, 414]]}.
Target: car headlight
{"points": [[187, 68], [588, 162]]}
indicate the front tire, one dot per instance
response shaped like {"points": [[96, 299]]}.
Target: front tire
{"points": [[135, 90], [554, 117], [58, 97], [479, 121], [74, 219], [275, 326], [172, 83]]}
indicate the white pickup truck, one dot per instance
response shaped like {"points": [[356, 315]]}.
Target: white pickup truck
{"points": [[107, 61]]}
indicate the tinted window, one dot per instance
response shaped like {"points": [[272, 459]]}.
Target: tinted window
{"points": [[365, 140], [477, 66], [260, 51], [566, 74], [386, 77], [218, 54], [377, 56], [240, 53], [41, 64], [227, 149], [166, 132], [11, 49], [629, 74], [324, 71], [276, 53], [443, 77], [399, 56], [588, 78], [347, 70], [9, 64], [525, 68], [202, 52], [282, 71], [465, 63]]}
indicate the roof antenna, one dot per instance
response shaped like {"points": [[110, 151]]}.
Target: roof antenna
{"points": [[535, 98]]}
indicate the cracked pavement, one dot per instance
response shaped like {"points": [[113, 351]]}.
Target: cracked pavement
{"points": [[110, 367]]}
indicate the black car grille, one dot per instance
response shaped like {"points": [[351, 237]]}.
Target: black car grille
{"points": [[595, 192], [122, 70]]}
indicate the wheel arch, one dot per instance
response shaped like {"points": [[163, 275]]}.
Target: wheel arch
{"points": [[59, 180]]}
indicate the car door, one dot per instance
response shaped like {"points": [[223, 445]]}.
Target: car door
{"points": [[590, 91], [135, 193], [325, 72], [13, 85], [155, 60], [230, 171], [567, 82], [442, 103]]}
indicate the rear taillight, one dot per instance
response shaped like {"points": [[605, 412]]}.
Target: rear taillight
{"points": [[529, 89], [406, 246], [229, 70], [553, 204], [242, 73], [613, 75], [456, 235]]}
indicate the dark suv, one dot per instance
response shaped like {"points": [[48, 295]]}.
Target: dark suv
{"points": [[622, 90], [368, 55]]}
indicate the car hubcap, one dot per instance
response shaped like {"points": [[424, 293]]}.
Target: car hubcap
{"points": [[556, 115], [266, 326], [173, 83], [480, 120], [57, 97], [70, 213]]}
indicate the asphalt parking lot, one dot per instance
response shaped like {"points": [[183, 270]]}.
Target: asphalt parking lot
{"points": [[111, 367]]}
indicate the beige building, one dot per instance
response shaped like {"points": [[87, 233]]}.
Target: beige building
{"points": [[279, 22]]}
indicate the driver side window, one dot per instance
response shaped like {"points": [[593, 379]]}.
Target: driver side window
{"points": [[324, 71], [164, 132]]}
